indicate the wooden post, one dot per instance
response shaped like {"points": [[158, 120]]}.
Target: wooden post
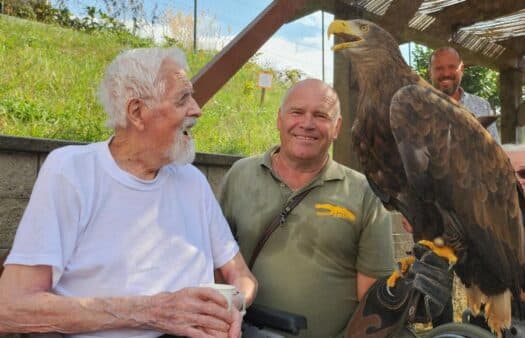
{"points": [[263, 91], [347, 92], [510, 81], [225, 64]]}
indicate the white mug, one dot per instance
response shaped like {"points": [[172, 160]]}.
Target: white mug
{"points": [[232, 295]]}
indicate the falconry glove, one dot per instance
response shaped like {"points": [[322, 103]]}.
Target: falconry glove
{"points": [[432, 276], [418, 296]]}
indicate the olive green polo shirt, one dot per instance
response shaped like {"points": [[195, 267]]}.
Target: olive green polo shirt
{"points": [[309, 264]]}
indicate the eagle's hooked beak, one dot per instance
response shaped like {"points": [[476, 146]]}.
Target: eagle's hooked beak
{"points": [[343, 30]]}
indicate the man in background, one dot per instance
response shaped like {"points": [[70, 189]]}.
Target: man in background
{"points": [[446, 72]]}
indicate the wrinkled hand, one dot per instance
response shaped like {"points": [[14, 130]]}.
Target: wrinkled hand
{"points": [[235, 327], [432, 277], [194, 313]]}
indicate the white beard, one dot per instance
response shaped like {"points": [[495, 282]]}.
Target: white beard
{"points": [[182, 151]]}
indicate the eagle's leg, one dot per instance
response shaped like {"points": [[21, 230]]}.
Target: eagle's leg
{"points": [[497, 312], [474, 299], [437, 246], [441, 250], [404, 264]]}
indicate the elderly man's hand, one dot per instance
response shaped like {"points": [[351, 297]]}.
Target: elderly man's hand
{"points": [[194, 312], [235, 327]]}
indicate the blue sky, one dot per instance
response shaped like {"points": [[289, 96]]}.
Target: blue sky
{"points": [[296, 45]]}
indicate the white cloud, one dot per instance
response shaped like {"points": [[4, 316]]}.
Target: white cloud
{"points": [[312, 20], [281, 53], [278, 52]]}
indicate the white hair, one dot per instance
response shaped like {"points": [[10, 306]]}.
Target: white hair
{"points": [[510, 147], [134, 74]]}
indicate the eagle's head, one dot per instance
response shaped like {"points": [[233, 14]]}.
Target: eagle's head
{"points": [[362, 38]]}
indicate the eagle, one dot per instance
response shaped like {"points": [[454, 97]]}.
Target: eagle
{"points": [[429, 158]]}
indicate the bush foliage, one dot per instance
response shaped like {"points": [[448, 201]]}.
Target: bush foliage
{"points": [[51, 73]]}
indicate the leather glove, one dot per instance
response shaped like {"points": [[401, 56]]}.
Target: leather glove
{"points": [[383, 312], [432, 276], [418, 296]]}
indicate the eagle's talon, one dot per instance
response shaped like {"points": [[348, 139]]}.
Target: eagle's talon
{"points": [[406, 263], [391, 281], [388, 291], [444, 252]]}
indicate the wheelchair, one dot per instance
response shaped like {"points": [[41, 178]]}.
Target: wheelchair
{"points": [[268, 318]]}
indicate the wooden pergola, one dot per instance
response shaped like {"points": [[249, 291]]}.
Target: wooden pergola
{"points": [[489, 33]]}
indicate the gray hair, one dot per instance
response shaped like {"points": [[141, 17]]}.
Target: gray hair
{"points": [[134, 74]]}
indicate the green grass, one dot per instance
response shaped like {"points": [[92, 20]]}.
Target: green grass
{"points": [[50, 76]]}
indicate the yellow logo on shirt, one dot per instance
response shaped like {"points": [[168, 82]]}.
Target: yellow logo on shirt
{"points": [[326, 209]]}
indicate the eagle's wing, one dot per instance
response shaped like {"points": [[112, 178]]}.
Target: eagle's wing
{"points": [[451, 161]]}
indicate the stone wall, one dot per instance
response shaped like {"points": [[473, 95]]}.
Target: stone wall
{"points": [[21, 158]]}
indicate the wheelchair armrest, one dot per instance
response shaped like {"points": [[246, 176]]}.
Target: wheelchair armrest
{"points": [[265, 317]]}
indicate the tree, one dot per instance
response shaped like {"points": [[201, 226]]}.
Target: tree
{"points": [[476, 79]]}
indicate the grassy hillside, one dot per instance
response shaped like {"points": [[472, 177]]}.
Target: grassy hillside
{"points": [[50, 76]]}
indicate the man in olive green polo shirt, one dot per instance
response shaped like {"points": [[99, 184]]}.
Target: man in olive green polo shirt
{"points": [[335, 243]]}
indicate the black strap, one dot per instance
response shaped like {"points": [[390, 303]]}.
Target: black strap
{"points": [[278, 220]]}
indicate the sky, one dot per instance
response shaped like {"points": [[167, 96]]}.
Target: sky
{"points": [[297, 45]]}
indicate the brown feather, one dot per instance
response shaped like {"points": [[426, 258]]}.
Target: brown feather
{"points": [[435, 158]]}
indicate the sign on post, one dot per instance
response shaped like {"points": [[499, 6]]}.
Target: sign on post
{"points": [[264, 81]]}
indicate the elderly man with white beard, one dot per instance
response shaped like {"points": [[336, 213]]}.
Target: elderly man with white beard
{"points": [[118, 235]]}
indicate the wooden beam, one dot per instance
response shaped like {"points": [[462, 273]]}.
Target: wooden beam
{"points": [[449, 20], [225, 64], [469, 12], [398, 15], [517, 44], [466, 13], [507, 60], [510, 97], [311, 6]]}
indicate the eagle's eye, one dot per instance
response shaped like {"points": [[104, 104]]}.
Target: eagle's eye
{"points": [[364, 28]]}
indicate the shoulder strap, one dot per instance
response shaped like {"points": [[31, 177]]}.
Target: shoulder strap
{"points": [[278, 220]]}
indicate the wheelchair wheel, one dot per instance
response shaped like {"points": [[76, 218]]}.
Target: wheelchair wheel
{"points": [[459, 330]]}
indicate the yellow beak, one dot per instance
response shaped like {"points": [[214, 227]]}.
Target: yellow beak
{"points": [[342, 28]]}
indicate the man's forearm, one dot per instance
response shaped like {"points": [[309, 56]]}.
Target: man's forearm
{"points": [[47, 312], [236, 272], [28, 306]]}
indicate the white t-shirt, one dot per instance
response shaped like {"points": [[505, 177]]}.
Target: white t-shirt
{"points": [[107, 233]]}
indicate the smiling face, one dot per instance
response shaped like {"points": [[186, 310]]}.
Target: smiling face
{"points": [[446, 71], [170, 121], [308, 122]]}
